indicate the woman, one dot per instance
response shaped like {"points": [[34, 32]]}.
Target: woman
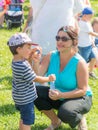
{"points": [[71, 97], [3, 8]]}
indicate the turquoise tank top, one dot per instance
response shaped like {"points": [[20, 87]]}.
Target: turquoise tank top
{"points": [[66, 79]]}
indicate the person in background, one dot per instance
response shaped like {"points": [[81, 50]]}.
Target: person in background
{"points": [[71, 98], [3, 8], [23, 86], [46, 17], [95, 29], [86, 40], [87, 3]]}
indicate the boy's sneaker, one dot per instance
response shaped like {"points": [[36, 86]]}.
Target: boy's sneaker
{"points": [[82, 125], [92, 75]]}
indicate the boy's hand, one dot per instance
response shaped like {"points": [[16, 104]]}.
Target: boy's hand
{"points": [[52, 77]]}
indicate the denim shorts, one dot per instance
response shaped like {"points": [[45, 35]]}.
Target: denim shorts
{"points": [[86, 53], [26, 113]]}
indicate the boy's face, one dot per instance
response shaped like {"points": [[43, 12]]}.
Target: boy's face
{"points": [[25, 51], [88, 17]]}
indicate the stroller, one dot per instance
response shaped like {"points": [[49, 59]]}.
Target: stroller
{"points": [[14, 16]]}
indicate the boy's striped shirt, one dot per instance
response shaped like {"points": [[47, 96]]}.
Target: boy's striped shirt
{"points": [[23, 87]]}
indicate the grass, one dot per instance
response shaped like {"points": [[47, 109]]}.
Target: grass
{"points": [[8, 115]]}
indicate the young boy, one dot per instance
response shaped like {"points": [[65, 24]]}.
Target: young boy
{"points": [[85, 40], [95, 29], [23, 86]]}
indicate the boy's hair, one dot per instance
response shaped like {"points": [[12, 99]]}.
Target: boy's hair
{"points": [[18, 40], [95, 20], [13, 49]]}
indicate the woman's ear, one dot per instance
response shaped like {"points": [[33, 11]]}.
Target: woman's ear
{"points": [[75, 42]]}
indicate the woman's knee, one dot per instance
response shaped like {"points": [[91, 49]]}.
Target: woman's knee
{"points": [[65, 113], [69, 115]]}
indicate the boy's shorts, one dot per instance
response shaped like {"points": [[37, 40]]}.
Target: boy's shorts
{"points": [[27, 113], [86, 53]]}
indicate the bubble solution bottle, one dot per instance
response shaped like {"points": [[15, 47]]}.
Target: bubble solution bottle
{"points": [[52, 85]]}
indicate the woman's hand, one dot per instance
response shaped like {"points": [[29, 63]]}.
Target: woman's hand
{"points": [[35, 58], [54, 94]]}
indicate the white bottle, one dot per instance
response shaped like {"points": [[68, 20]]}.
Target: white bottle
{"points": [[52, 85]]}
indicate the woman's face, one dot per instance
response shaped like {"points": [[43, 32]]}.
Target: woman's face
{"points": [[64, 42]]}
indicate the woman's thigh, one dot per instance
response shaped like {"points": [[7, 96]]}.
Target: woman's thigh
{"points": [[43, 102], [81, 105]]}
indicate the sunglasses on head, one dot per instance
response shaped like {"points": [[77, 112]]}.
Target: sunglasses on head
{"points": [[64, 38]]}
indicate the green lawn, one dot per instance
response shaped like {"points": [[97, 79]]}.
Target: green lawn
{"points": [[8, 115]]}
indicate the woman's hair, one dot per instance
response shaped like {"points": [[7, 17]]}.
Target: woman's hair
{"points": [[71, 32]]}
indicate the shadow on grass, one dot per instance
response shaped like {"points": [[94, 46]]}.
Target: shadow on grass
{"points": [[10, 110], [43, 126], [7, 109], [7, 81]]}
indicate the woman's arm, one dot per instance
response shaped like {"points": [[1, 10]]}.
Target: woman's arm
{"points": [[40, 65], [41, 68], [44, 64]]}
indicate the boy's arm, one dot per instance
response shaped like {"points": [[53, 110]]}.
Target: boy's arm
{"points": [[41, 79], [93, 34]]}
